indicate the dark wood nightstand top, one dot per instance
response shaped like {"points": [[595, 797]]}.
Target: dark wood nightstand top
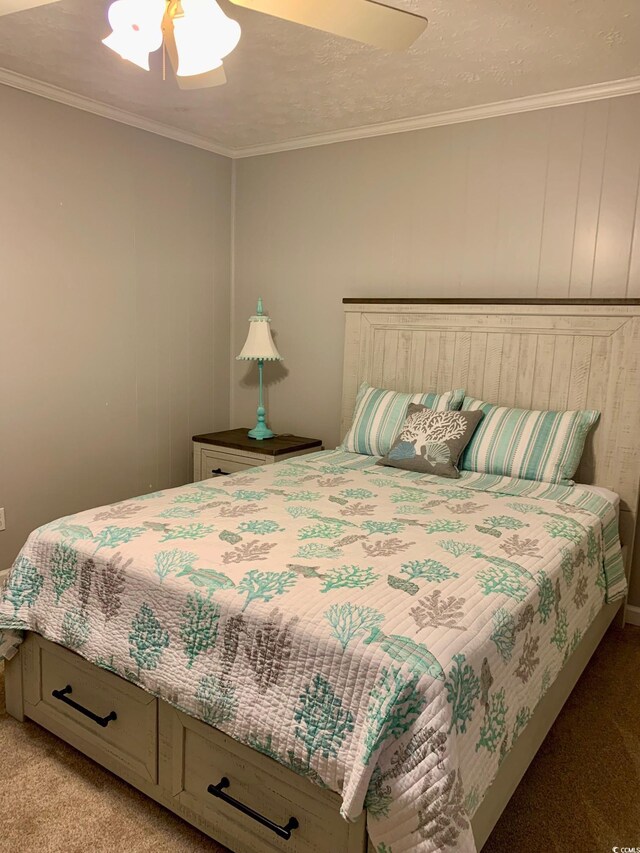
{"points": [[276, 446]]}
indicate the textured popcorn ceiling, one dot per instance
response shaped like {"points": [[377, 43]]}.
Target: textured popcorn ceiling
{"points": [[287, 81]]}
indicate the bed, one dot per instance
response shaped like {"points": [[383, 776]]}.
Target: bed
{"points": [[262, 654]]}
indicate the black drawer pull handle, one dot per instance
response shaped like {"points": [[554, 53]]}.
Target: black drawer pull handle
{"points": [[101, 721], [281, 831], [219, 472]]}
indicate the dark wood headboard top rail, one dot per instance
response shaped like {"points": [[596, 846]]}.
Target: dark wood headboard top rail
{"points": [[416, 301]]}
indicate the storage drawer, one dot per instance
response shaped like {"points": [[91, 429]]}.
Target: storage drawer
{"points": [[202, 756], [215, 463], [101, 711]]}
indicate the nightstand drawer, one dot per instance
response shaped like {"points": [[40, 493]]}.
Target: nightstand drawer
{"points": [[231, 451], [214, 463]]}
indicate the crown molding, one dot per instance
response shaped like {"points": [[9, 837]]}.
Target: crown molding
{"points": [[80, 102], [560, 98]]}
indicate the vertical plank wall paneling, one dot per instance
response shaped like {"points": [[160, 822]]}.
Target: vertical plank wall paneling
{"points": [[114, 307], [537, 204]]}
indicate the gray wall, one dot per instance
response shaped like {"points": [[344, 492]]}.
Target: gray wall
{"points": [[114, 307], [114, 316], [538, 204]]}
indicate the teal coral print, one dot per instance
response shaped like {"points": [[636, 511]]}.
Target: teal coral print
{"points": [[198, 497], [357, 577], [263, 586], [496, 580], [382, 625], [216, 700], [75, 629], [198, 626], [349, 621], [323, 723], [567, 565], [112, 536], [463, 688], [429, 570], [360, 494], [64, 563], [247, 495], [504, 633], [328, 529], [303, 496], [459, 549], [260, 527], [522, 718], [395, 703], [494, 725], [546, 597], [24, 586], [170, 561], [444, 525], [147, 639], [386, 528], [593, 549], [565, 528]]}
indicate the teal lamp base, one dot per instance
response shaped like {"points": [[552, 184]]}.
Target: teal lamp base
{"points": [[260, 430]]}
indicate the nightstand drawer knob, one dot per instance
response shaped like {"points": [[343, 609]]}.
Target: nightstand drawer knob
{"points": [[218, 472]]}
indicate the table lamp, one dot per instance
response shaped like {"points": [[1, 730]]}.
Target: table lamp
{"points": [[259, 347]]}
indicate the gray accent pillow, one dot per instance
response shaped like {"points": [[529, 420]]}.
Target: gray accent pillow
{"points": [[431, 442]]}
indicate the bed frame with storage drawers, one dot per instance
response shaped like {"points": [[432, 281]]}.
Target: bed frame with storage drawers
{"points": [[536, 355]]}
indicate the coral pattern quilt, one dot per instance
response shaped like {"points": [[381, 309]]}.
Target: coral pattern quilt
{"points": [[384, 633]]}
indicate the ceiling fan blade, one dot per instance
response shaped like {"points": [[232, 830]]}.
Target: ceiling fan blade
{"points": [[217, 77], [361, 20], [9, 6]]}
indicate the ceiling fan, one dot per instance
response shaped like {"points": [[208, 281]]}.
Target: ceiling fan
{"points": [[197, 34]]}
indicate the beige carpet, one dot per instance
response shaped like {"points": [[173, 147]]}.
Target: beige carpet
{"points": [[582, 791]]}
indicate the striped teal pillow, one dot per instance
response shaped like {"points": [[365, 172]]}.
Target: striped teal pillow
{"points": [[544, 446], [379, 415]]}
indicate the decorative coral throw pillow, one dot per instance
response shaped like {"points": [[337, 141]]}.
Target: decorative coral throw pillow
{"points": [[431, 442]]}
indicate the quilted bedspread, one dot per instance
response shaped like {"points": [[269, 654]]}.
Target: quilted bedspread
{"points": [[385, 634]]}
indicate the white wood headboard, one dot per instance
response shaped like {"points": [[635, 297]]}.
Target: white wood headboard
{"points": [[534, 354]]}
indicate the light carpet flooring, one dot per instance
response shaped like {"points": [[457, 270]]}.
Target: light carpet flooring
{"points": [[582, 791]]}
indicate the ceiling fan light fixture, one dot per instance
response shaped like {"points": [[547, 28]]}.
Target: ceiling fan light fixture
{"points": [[203, 36], [136, 29]]}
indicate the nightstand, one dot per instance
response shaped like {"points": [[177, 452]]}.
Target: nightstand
{"points": [[219, 453]]}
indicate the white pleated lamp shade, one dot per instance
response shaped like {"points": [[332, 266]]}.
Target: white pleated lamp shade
{"points": [[259, 343]]}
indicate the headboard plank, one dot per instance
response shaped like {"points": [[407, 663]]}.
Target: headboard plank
{"points": [[533, 355]]}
